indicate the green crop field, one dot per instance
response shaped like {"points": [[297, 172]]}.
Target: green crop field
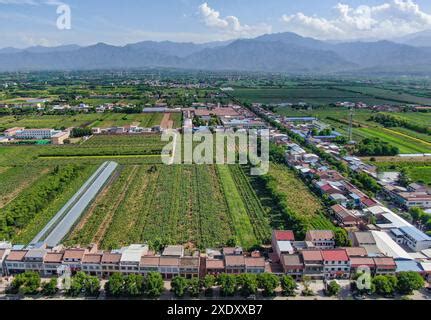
{"points": [[103, 120], [185, 204], [316, 95], [406, 144], [385, 94]]}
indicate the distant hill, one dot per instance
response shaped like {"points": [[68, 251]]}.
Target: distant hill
{"points": [[281, 52]]}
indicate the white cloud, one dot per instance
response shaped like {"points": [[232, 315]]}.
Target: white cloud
{"points": [[230, 25], [391, 19]]}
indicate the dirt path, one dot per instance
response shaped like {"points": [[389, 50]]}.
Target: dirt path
{"points": [[108, 218], [167, 123]]}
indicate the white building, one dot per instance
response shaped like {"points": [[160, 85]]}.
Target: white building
{"points": [[36, 134], [131, 257], [416, 239]]}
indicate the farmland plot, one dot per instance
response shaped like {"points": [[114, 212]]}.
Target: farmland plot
{"points": [[158, 204]]}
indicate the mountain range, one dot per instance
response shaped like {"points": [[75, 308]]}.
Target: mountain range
{"points": [[279, 52]]}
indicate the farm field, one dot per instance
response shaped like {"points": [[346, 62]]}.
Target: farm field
{"points": [[406, 140], [13, 180], [299, 199], [33, 207], [185, 204], [406, 144], [316, 95], [102, 120], [380, 93], [418, 169], [305, 210]]}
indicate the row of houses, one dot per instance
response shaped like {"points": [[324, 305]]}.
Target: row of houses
{"points": [[134, 259], [318, 258]]}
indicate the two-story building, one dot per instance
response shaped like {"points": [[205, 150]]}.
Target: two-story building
{"points": [[321, 239], [169, 266], [385, 266], [313, 263], [72, 259], [336, 264], [234, 264], [110, 263], [293, 265], [14, 262]]}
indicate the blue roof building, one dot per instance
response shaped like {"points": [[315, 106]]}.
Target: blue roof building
{"points": [[416, 239]]}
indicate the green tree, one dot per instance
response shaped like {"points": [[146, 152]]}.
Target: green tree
{"points": [[133, 285], [341, 238], [154, 284], [385, 285], [228, 284], [49, 288], [416, 213], [268, 282], [77, 284], [115, 286], [91, 286], [306, 281], [26, 283], [248, 284], [179, 286], [333, 288], [194, 287], [409, 281], [288, 285], [208, 283]]}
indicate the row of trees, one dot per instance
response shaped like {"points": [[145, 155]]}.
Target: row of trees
{"points": [[29, 283], [376, 147], [135, 285], [388, 120], [245, 284], [388, 285]]}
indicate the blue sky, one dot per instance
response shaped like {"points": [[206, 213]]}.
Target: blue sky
{"points": [[25, 23]]}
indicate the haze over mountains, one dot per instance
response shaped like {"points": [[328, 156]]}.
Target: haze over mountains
{"points": [[282, 52]]}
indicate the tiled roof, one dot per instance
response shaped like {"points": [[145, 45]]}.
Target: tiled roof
{"points": [[320, 235], [361, 261], [53, 257], [284, 235], [335, 255], [169, 261], [214, 264], [73, 254], [312, 255], [109, 257], [356, 251], [232, 261], [292, 260], [16, 255], [150, 261], [92, 258], [385, 262], [255, 262]]}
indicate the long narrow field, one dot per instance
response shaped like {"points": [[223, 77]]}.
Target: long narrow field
{"points": [[237, 208], [14, 180], [23, 217], [405, 143], [297, 208], [92, 120]]}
